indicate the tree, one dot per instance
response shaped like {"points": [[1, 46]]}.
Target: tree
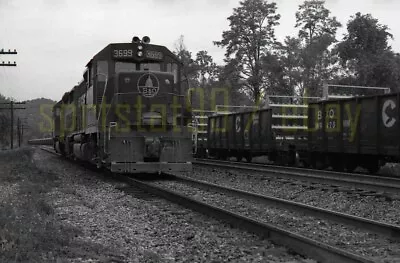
{"points": [[314, 21], [251, 33], [366, 54], [285, 65], [206, 66], [317, 31], [190, 69]]}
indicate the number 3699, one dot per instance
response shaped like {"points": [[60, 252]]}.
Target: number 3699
{"points": [[123, 53]]}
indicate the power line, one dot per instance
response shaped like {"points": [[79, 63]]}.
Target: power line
{"points": [[9, 52]]}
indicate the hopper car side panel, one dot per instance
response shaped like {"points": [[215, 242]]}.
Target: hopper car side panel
{"points": [[356, 132], [243, 134]]}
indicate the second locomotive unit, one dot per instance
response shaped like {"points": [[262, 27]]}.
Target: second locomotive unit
{"points": [[128, 114]]}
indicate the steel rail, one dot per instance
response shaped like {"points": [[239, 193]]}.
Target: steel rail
{"points": [[358, 176], [389, 230], [364, 182], [300, 244]]}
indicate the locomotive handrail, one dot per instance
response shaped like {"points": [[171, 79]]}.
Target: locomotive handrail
{"points": [[104, 92], [289, 105], [133, 93], [102, 98]]}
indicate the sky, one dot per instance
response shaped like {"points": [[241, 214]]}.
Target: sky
{"points": [[56, 38]]}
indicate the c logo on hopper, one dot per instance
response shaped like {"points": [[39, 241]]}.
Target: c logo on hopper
{"points": [[387, 120]]}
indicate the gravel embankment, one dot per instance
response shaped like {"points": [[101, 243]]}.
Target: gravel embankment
{"points": [[136, 227], [345, 237], [358, 204]]}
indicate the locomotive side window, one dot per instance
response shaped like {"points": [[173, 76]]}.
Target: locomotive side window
{"points": [[102, 71], [173, 68], [91, 75]]}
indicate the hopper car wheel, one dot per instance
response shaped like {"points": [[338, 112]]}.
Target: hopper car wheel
{"points": [[248, 157], [239, 157], [337, 163], [338, 167], [318, 163], [371, 164], [222, 156], [373, 168], [351, 165]]}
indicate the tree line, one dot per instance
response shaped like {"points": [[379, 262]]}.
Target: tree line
{"points": [[256, 64]]}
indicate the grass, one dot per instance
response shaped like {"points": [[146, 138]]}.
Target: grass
{"points": [[28, 229]]}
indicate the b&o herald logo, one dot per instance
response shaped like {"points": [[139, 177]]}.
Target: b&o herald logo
{"points": [[148, 85]]}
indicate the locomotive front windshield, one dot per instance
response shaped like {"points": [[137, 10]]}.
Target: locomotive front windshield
{"points": [[125, 67]]}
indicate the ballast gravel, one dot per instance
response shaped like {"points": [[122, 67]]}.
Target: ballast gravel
{"points": [[137, 227], [345, 237], [373, 207], [363, 204]]}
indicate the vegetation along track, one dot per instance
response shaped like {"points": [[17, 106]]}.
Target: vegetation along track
{"points": [[374, 183], [300, 244]]}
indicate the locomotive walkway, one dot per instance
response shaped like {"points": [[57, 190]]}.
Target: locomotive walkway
{"points": [[366, 182]]}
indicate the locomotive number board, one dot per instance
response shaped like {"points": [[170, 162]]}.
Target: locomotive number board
{"points": [[123, 53], [129, 53], [151, 54]]}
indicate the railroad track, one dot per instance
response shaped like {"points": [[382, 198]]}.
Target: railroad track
{"points": [[381, 228], [298, 243], [373, 183]]}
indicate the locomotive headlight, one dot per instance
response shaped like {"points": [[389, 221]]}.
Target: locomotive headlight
{"points": [[140, 53], [140, 47]]}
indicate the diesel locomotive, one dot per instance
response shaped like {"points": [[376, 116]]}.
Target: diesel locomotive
{"points": [[129, 113]]}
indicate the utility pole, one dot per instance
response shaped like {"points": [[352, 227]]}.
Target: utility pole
{"points": [[12, 108], [9, 52], [9, 64], [19, 132]]}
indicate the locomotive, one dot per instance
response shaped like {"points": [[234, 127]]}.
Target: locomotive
{"points": [[129, 113]]}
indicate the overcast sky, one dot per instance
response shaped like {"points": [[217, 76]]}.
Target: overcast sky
{"points": [[56, 38]]}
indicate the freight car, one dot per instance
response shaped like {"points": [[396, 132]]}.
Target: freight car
{"points": [[341, 133], [128, 114]]}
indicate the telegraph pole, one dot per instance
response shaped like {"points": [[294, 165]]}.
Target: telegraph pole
{"points": [[19, 132], [9, 64], [12, 108]]}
